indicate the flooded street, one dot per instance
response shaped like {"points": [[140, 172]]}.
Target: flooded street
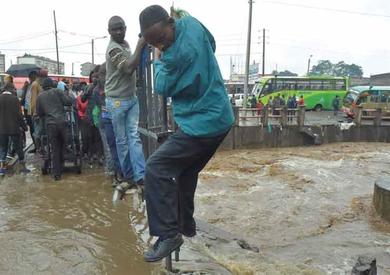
{"points": [[68, 227], [309, 211]]}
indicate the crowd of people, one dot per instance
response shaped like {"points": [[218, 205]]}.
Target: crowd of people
{"points": [[40, 110], [107, 108]]}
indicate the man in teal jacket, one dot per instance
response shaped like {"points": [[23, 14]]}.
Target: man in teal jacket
{"points": [[188, 72]]}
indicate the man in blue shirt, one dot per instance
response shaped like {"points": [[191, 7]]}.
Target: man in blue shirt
{"points": [[188, 72]]}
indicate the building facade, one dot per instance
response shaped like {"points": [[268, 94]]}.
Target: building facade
{"points": [[86, 68], [380, 79], [2, 63], [43, 62]]}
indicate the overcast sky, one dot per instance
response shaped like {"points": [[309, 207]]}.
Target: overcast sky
{"points": [[355, 31]]}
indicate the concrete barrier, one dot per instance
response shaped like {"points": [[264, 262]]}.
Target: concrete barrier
{"points": [[242, 137], [382, 198]]}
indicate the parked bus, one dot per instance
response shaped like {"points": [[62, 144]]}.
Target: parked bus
{"points": [[318, 92], [19, 81], [70, 79], [369, 97]]}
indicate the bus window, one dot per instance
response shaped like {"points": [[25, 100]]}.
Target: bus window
{"points": [[279, 85], [315, 85], [362, 99], [385, 96], [303, 85], [340, 84], [374, 95], [328, 85], [268, 88]]}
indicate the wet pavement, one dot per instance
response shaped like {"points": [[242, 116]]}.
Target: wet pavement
{"points": [[308, 210]]}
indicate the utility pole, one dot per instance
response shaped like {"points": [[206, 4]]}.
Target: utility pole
{"points": [[248, 52], [55, 32], [93, 52], [263, 71], [308, 64], [72, 68], [93, 47]]}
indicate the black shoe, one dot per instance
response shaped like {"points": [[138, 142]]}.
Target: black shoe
{"points": [[189, 234], [57, 177], [163, 248]]}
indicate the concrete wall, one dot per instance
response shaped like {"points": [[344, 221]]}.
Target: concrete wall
{"points": [[276, 136]]}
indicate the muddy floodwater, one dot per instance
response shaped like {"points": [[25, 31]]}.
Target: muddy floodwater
{"points": [[308, 210], [68, 227]]}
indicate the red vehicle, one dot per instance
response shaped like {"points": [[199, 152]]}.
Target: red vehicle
{"points": [[19, 81], [69, 79]]}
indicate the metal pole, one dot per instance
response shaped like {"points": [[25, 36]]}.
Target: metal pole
{"points": [[93, 51], [308, 64], [55, 32], [248, 52], [72, 68], [263, 71]]}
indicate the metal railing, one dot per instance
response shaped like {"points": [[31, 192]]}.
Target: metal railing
{"points": [[283, 116], [377, 116]]}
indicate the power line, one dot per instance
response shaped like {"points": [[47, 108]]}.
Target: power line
{"points": [[79, 34], [45, 49], [236, 54], [327, 9], [25, 38]]}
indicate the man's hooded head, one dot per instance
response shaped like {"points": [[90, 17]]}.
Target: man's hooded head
{"points": [[157, 27]]}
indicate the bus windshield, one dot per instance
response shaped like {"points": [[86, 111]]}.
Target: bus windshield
{"points": [[350, 97]]}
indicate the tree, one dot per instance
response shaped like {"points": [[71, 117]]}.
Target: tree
{"points": [[325, 67], [284, 73], [287, 73], [355, 70]]}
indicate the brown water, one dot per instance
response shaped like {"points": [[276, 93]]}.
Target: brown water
{"points": [[309, 210], [68, 227]]}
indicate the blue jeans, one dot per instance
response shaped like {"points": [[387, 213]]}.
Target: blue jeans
{"points": [[125, 117], [109, 162], [109, 131]]}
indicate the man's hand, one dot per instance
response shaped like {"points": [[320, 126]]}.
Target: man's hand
{"points": [[157, 53], [141, 42]]}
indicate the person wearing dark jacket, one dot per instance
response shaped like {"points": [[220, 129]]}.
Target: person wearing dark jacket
{"points": [[50, 108], [11, 123]]}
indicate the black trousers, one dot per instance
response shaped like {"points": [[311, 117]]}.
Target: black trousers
{"points": [[90, 139], [16, 142], [57, 138], [170, 182]]}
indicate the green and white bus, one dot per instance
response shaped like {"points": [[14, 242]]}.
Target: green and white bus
{"points": [[318, 92]]}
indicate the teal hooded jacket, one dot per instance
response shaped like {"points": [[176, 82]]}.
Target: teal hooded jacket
{"points": [[188, 72]]}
